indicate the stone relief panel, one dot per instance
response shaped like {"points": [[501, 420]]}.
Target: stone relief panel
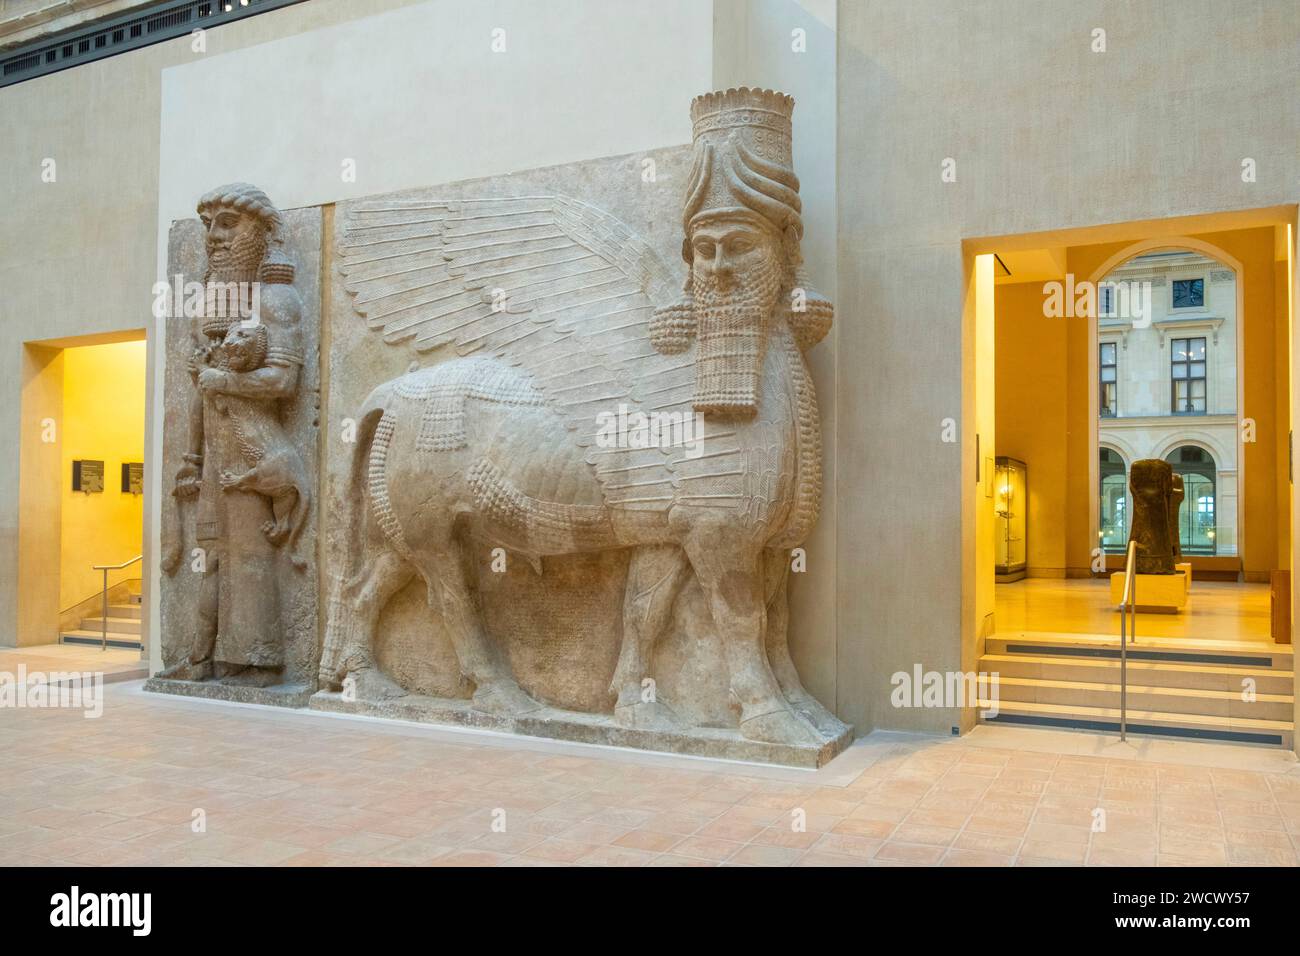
{"points": [[242, 398], [571, 442]]}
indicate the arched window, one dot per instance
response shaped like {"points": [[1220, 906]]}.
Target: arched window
{"points": [[1114, 501], [1196, 515]]}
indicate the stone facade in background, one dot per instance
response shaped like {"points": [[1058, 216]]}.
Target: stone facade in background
{"points": [[242, 397], [573, 514]]}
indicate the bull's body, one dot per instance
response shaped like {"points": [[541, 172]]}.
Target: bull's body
{"points": [[468, 453]]}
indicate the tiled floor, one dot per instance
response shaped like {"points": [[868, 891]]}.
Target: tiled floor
{"points": [[292, 788], [45, 658]]}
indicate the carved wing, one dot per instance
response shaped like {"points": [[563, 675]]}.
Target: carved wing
{"points": [[558, 288], [548, 283]]}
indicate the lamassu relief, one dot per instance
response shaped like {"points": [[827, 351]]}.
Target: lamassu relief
{"points": [[573, 442]]}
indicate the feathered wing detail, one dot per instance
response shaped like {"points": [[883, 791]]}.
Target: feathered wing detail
{"points": [[554, 286]]}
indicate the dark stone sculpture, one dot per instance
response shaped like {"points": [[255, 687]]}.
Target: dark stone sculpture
{"points": [[1154, 527]]}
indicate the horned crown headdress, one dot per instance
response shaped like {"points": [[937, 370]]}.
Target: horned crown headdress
{"points": [[277, 266], [743, 159]]}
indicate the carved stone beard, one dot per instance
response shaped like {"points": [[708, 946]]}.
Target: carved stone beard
{"points": [[235, 262], [731, 338]]}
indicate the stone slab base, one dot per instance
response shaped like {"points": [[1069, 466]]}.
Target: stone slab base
{"points": [[280, 695], [1154, 592], [553, 724]]}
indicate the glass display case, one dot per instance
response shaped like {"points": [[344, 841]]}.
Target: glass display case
{"points": [[1011, 505]]}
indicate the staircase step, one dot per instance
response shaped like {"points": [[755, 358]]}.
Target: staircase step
{"points": [[119, 625], [1105, 670], [1172, 700], [83, 636], [133, 598], [132, 611], [1106, 719], [1172, 650]]}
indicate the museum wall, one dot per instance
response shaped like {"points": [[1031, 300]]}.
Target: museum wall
{"points": [[103, 418], [429, 94], [1031, 413], [1056, 144]]}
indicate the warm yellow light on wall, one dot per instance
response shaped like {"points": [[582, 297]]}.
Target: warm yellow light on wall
{"points": [[103, 419]]}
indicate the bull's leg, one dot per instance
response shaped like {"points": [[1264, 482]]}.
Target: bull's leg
{"points": [[733, 582], [654, 578], [349, 636], [777, 640], [495, 689]]}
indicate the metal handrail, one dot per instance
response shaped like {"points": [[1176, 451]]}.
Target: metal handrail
{"points": [[1127, 629], [117, 567], [103, 620]]}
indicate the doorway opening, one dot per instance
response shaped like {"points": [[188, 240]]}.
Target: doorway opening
{"points": [[1114, 345], [81, 494]]}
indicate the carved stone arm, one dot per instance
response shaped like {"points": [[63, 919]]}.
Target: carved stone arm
{"points": [[268, 382]]}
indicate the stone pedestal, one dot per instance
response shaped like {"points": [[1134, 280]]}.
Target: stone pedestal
{"points": [[1154, 593]]}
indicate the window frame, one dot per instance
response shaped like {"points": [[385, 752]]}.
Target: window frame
{"points": [[1204, 278], [1104, 409], [1188, 379]]}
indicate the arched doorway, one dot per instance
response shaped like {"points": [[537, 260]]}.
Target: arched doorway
{"points": [[1167, 372]]}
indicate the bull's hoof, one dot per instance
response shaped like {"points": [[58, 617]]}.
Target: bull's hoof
{"points": [[253, 677], [780, 726], [504, 698], [811, 709], [371, 684], [647, 715], [184, 670]]}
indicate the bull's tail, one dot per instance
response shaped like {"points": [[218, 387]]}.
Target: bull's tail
{"points": [[343, 630]]}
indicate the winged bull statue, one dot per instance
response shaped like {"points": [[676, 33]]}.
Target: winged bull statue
{"points": [[558, 314]]}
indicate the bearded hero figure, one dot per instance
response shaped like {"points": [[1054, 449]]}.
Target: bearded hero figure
{"points": [[234, 426], [553, 316]]}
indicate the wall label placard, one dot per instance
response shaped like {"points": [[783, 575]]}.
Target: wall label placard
{"points": [[88, 476], [133, 477]]}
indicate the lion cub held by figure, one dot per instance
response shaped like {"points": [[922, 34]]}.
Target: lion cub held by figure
{"points": [[276, 470]]}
